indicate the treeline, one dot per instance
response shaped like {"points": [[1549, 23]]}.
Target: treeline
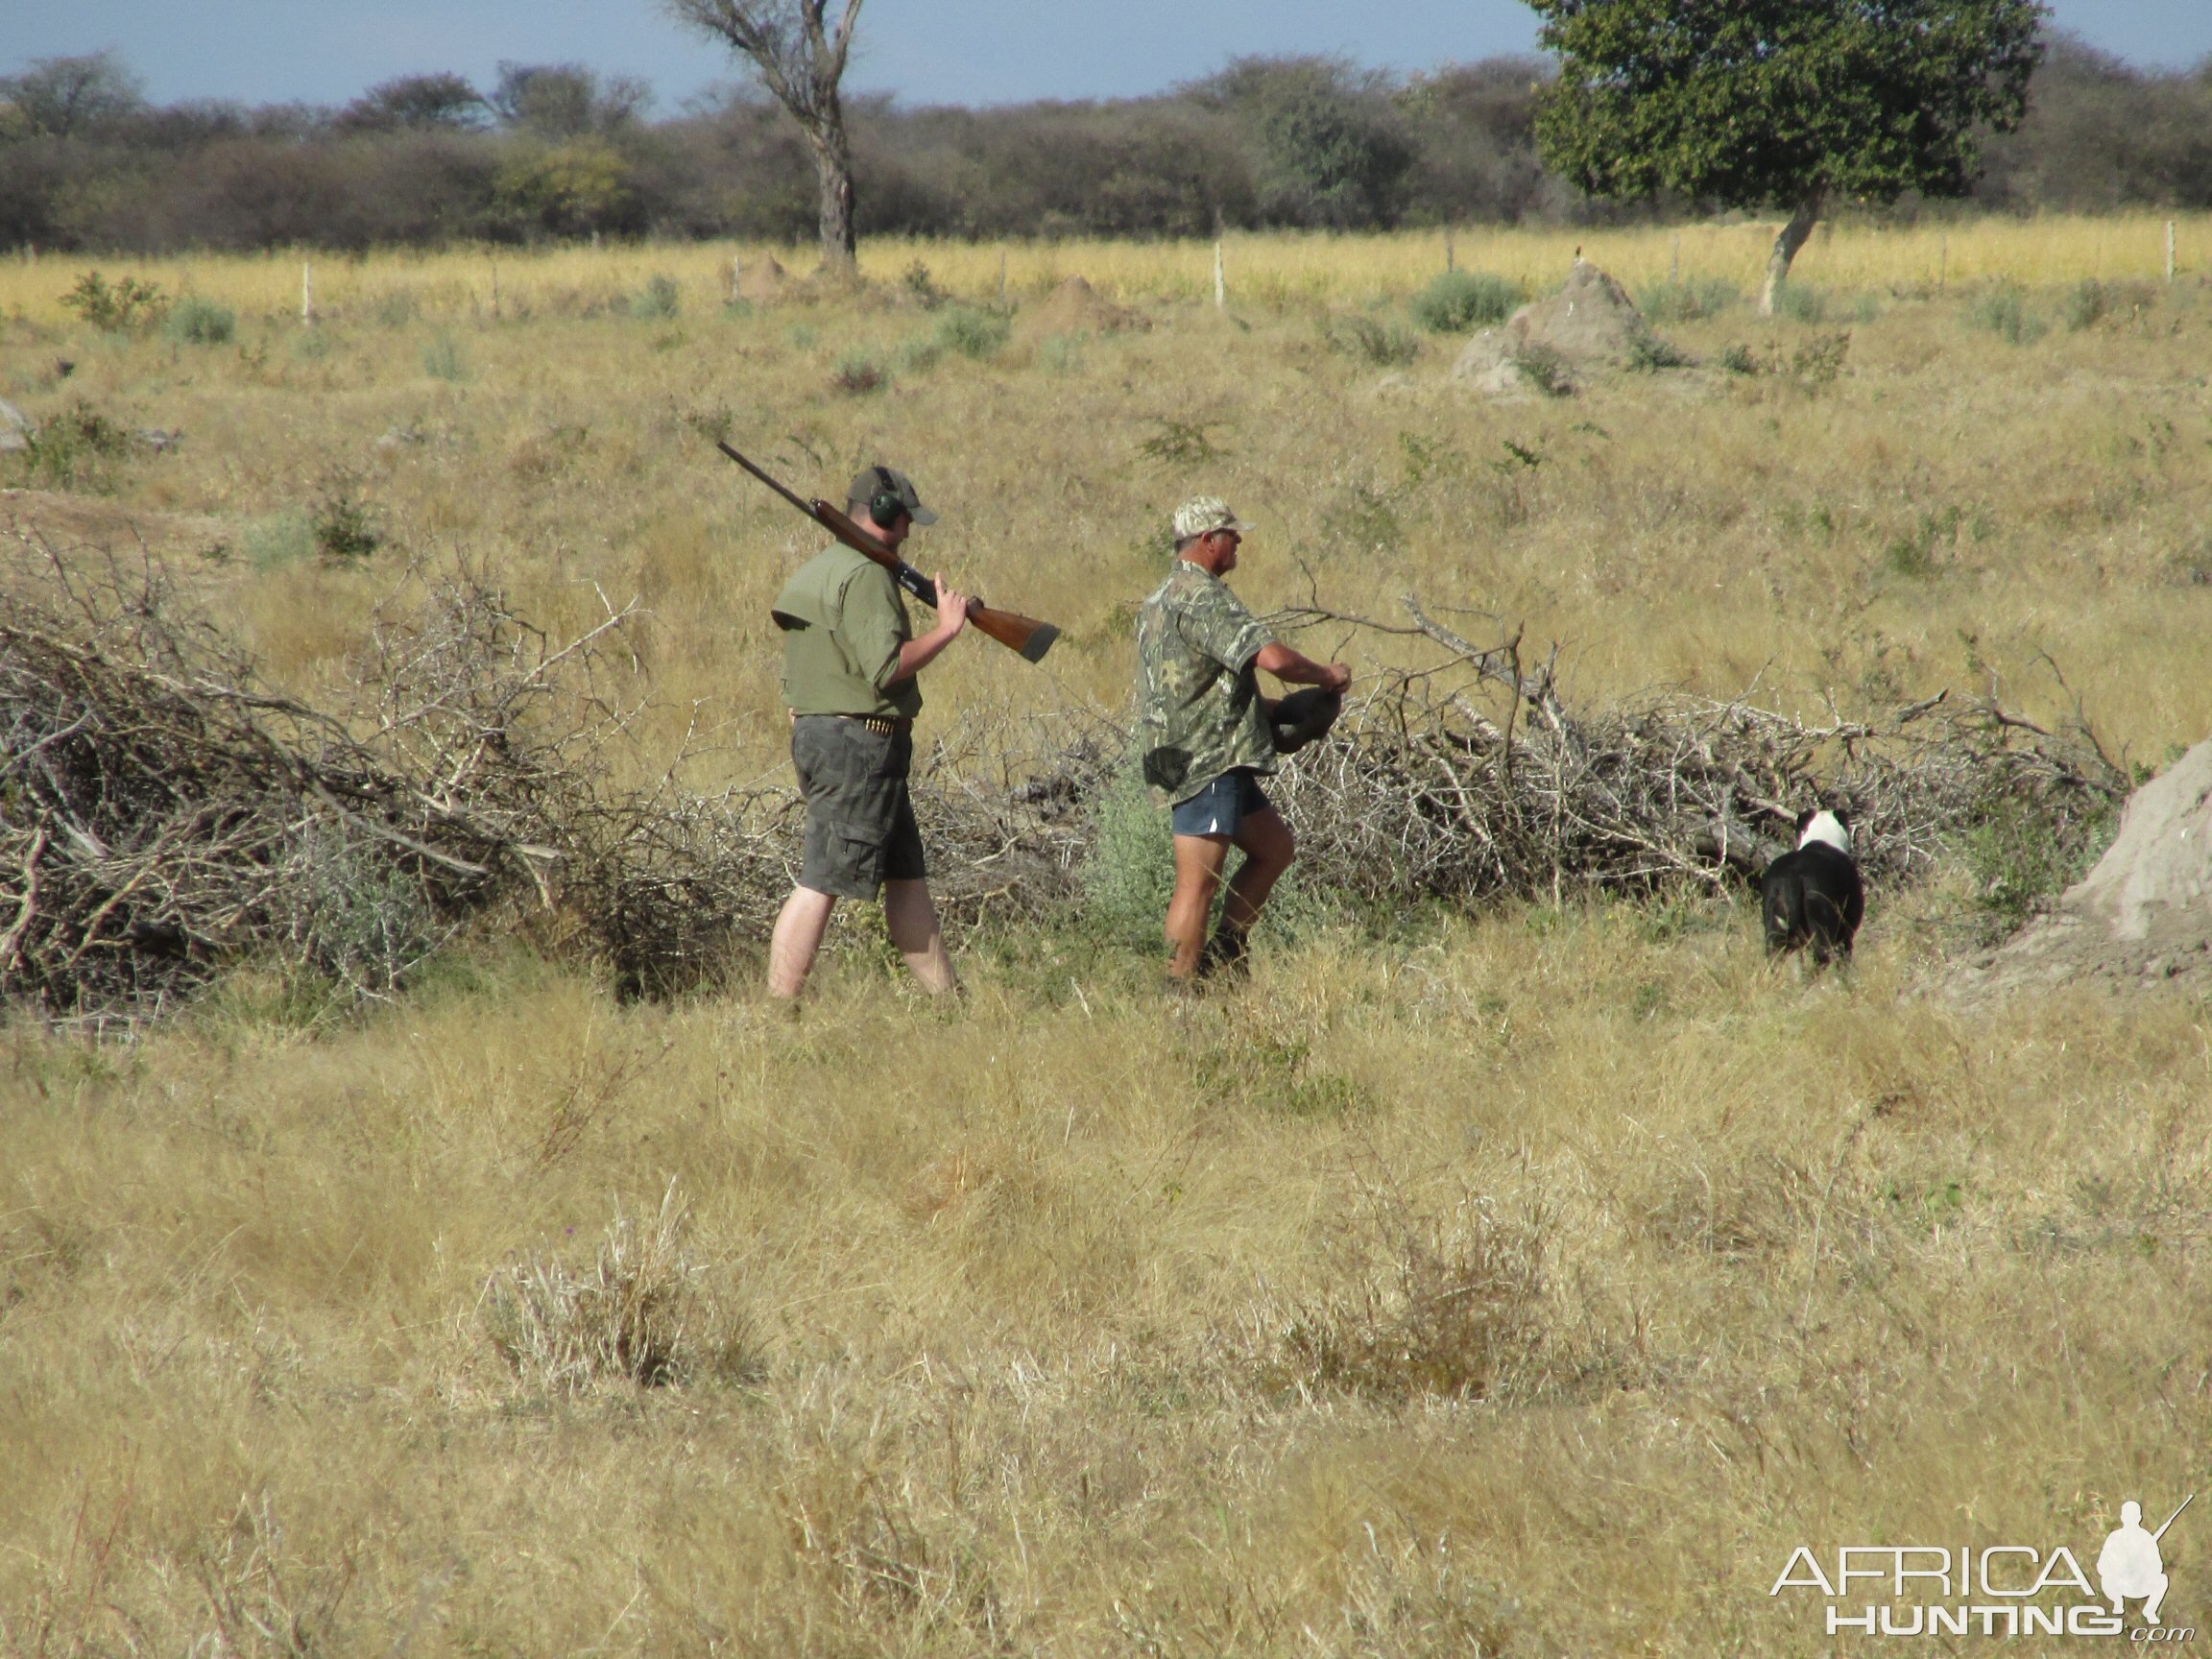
{"points": [[552, 151]]}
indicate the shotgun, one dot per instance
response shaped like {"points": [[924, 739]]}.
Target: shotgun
{"points": [[2175, 1516], [1026, 635]]}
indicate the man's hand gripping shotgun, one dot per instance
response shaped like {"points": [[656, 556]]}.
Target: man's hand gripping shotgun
{"points": [[1016, 633]]}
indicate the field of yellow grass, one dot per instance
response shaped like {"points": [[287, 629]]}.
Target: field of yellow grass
{"points": [[1269, 269], [1526, 1282]]}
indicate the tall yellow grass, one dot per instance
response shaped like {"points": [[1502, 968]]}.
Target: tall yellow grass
{"points": [[1270, 269]]}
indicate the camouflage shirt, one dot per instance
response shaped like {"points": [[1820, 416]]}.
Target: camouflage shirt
{"points": [[1198, 711]]}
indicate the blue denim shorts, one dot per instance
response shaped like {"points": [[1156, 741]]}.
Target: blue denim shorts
{"points": [[1221, 807]]}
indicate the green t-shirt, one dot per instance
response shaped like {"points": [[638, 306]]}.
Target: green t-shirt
{"points": [[843, 624], [1198, 709]]}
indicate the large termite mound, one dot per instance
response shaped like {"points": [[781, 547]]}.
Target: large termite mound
{"points": [[2142, 916], [1588, 327]]}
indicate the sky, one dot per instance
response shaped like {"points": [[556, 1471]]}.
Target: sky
{"points": [[971, 52]]}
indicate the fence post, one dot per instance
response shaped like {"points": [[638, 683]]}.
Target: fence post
{"points": [[736, 278], [1449, 263], [307, 293], [2169, 249], [1220, 283], [495, 287]]}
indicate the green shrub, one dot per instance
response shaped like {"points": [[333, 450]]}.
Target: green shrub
{"points": [[1821, 359], [1181, 442], [279, 539], [1364, 337], [920, 355], [197, 320], [442, 360], [2022, 853], [1546, 370], [1130, 872], [1062, 353], [1648, 352], [1462, 299], [972, 333], [2085, 304], [922, 287], [73, 450], [1688, 299], [398, 308], [341, 522], [129, 304], [1801, 302], [661, 298], [1739, 359], [2003, 311], [363, 923]]}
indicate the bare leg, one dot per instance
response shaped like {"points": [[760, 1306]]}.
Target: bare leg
{"points": [[792, 948], [1199, 860], [1269, 849], [911, 915]]}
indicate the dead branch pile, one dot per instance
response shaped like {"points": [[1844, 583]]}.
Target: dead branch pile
{"points": [[1469, 777], [163, 813]]}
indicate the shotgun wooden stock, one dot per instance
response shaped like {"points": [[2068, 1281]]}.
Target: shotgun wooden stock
{"points": [[1025, 635]]}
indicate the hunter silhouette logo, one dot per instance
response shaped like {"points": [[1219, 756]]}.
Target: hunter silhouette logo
{"points": [[2129, 1565], [2001, 1590]]}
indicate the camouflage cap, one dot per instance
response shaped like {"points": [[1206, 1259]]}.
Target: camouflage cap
{"points": [[869, 480], [1203, 513]]}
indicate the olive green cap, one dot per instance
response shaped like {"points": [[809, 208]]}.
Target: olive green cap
{"points": [[870, 480]]}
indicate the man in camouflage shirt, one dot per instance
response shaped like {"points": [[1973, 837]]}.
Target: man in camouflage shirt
{"points": [[1203, 737]]}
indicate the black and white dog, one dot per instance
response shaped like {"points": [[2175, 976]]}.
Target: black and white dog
{"points": [[1814, 897]]}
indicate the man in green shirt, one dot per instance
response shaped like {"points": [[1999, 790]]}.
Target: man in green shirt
{"points": [[1204, 737], [850, 661]]}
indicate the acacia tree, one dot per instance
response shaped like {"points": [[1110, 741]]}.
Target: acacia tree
{"points": [[800, 57], [69, 97], [1789, 103]]}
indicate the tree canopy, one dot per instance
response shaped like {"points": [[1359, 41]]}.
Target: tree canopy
{"points": [[1752, 102]]}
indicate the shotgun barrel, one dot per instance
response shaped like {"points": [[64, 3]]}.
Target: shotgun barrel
{"points": [[1025, 635]]}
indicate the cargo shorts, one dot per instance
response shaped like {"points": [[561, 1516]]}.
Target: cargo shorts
{"points": [[861, 828]]}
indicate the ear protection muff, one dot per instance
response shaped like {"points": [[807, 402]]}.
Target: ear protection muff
{"points": [[886, 503]]}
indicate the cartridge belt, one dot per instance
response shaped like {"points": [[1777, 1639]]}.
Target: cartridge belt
{"points": [[880, 725]]}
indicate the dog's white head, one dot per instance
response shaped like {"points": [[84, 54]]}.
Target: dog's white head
{"points": [[1832, 828]]}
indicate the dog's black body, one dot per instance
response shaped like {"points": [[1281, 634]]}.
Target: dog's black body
{"points": [[1813, 897]]}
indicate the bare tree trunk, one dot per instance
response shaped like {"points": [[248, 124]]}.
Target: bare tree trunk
{"points": [[833, 173], [1786, 246], [800, 59]]}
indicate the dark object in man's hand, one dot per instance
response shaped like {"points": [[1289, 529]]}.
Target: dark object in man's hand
{"points": [[1304, 716]]}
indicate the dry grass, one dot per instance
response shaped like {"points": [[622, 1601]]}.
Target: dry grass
{"points": [[1526, 1283], [1065, 1350], [1271, 269]]}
